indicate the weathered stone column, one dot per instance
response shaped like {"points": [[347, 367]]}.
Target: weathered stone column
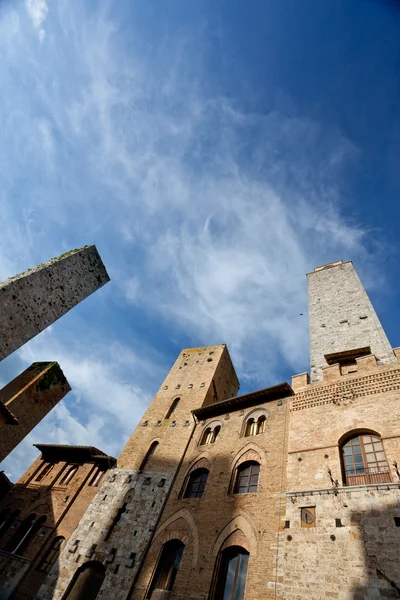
{"points": [[28, 398], [33, 300]]}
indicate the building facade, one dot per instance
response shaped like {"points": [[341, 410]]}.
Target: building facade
{"points": [[289, 492], [40, 512]]}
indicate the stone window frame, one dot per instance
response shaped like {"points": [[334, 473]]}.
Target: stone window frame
{"points": [[255, 416], [166, 569], [203, 472], [201, 463], [210, 433], [248, 454], [358, 433], [235, 543], [47, 467]]}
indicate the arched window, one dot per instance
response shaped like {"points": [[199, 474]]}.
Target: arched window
{"points": [[45, 471], [216, 434], [68, 474], [167, 567], [255, 425], [148, 455], [207, 436], [116, 522], [364, 460], [261, 422], [251, 427], [7, 519], [210, 434], [232, 572], [52, 554], [172, 408], [247, 477], [86, 582], [196, 484], [24, 534]]}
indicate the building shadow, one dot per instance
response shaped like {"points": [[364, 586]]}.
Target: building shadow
{"points": [[379, 530], [41, 511]]}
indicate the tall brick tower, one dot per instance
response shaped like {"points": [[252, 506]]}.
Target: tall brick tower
{"points": [[120, 521], [343, 323], [28, 398]]}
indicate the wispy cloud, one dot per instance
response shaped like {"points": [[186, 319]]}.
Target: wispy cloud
{"points": [[208, 215], [37, 11]]}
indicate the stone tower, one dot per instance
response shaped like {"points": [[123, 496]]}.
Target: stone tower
{"points": [[343, 323], [33, 300], [28, 398], [342, 502], [121, 520]]}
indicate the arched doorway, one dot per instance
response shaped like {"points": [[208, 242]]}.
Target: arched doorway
{"points": [[86, 582]]}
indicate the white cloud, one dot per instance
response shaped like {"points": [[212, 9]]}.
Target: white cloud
{"points": [[37, 11], [209, 214]]}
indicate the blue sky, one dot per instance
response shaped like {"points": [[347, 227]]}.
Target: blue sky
{"points": [[214, 152]]}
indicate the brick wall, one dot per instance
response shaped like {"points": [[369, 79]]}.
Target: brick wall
{"points": [[205, 524], [29, 397]]}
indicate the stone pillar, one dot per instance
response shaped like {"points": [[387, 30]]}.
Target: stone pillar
{"points": [[33, 300], [28, 398], [342, 319]]}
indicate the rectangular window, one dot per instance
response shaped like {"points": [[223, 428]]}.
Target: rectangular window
{"points": [[68, 474], [45, 471], [97, 478]]}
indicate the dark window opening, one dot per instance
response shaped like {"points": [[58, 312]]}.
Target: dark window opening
{"points": [[148, 455], [167, 568], [68, 474], [397, 521], [232, 573], [87, 581], [45, 471], [97, 478], [51, 555], [247, 478], [172, 408], [338, 523], [116, 522], [364, 461], [196, 484], [25, 533]]}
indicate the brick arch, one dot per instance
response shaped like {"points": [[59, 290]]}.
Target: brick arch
{"points": [[250, 451], [40, 508], [239, 528], [170, 525], [200, 462], [356, 431], [253, 414]]}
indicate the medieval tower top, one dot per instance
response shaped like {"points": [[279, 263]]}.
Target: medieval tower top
{"points": [[343, 323]]}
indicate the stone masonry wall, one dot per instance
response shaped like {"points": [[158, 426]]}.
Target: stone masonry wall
{"points": [[29, 397], [341, 317], [144, 494], [33, 300], [352, 551]]}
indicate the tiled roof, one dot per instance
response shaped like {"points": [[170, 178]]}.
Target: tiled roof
{"points": [[282, 390]]}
